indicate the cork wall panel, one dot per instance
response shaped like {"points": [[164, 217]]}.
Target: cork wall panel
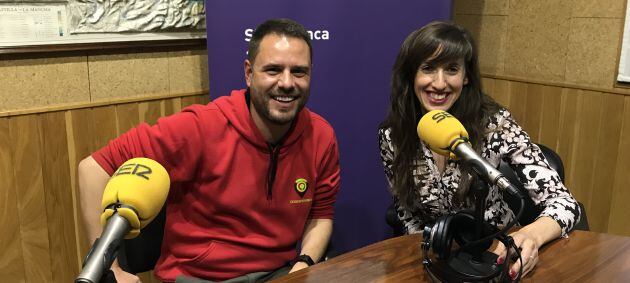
{"points": [[28, 83], [598, 9], [481, 7], [9, 84], [536, 41], [490, 33], [31, 200], [604, 159], [128, 75], [11, 261], [591, 56], [619, 212], [188, 71], [572, 42]]}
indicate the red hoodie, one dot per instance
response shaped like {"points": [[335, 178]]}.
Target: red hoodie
{"points": [[235, 205]]}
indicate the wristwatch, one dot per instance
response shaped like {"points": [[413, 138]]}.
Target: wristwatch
{"points": [[303, 258]]}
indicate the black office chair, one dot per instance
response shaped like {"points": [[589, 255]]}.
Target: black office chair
{"points": [[530, 211], [141, 253]]}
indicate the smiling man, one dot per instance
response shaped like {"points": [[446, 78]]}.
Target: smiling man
{"points": [[252, 174], [278, 74]]}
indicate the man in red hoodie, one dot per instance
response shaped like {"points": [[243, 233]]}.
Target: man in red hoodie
{"points": [[252, 174]]}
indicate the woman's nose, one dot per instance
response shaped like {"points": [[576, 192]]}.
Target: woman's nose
{"points": [[439, 80]]}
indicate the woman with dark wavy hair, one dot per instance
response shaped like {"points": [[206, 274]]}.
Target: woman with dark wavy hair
{"points": [[437, 69]]}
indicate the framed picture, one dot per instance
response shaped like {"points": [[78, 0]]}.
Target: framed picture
{"points": [[53, 25]]}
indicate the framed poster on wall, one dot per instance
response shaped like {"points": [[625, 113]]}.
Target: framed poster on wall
{"points": [[29, 26], [623, 73]]}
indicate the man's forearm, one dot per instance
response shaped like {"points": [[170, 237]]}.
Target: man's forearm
{"points": [[314, 240], [92, 181], [316, 236]]}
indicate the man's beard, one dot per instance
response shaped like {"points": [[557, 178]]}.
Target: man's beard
{"points": [[261, 103]]}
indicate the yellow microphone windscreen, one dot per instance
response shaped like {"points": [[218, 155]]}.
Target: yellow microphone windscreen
{"points": [[139, 185], [441, 132]]}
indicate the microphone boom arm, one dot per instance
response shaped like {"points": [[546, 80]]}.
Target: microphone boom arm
{"points": [[104, 250], [483, 169]]}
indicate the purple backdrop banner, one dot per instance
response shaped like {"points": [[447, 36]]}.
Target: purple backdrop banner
{"points": [[355, 43]]}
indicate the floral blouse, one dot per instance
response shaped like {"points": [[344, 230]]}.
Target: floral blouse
{"points": [[506, 140]]}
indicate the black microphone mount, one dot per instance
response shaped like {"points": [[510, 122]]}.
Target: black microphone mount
{"points": [[471, 261]]}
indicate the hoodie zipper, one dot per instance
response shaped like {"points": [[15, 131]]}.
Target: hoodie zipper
{"points": [[273, 166]]}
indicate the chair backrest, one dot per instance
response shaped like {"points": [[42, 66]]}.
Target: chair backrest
{"points": [[141, 253], [391, 217]]}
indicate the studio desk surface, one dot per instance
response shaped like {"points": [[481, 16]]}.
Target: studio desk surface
{"points": [[583, 257]]}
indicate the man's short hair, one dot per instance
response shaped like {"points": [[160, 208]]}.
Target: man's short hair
{"points": [[286, 27]]}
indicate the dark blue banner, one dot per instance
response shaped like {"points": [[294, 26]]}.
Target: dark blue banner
{"points": [[355, 43]]}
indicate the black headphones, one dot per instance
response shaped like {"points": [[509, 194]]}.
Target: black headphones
{"points": [[458, 227], [461, 266]]}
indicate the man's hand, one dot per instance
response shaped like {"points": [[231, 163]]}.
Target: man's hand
{"points": [[124, 277], [297, 266]]}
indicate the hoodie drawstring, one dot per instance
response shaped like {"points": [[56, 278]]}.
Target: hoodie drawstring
{"points": [[273, 166]]}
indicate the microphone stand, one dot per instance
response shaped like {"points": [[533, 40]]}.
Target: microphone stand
{"points": [[104, 251], [480, 191], [472, 262], [475, 261]]}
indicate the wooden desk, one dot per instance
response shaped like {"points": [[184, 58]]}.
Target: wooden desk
{"points": [[583, 257]]}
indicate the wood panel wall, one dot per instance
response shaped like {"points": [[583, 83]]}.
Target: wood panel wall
{"points": [[42, 238], [591, 132], [41, 234]]}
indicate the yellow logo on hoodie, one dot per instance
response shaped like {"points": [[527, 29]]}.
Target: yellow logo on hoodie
{"points": [[301, 186]]}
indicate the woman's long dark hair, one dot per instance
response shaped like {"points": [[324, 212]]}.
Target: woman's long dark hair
{"points": [[437, 42]]}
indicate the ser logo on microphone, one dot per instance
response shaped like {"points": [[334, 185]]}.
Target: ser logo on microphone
{"points": [[440, 116], [137, 169]]}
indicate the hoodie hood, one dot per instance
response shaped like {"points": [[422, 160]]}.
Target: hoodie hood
{"points": [[236, 111]]}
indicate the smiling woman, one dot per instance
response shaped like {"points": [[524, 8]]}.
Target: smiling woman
{"points": [[437, 69]]}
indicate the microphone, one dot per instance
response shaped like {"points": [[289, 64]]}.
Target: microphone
{"points": [[132, 197], [445, 135]]}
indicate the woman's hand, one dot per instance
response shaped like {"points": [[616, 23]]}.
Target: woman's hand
{"points": [[529, 239], [529, 253]]}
